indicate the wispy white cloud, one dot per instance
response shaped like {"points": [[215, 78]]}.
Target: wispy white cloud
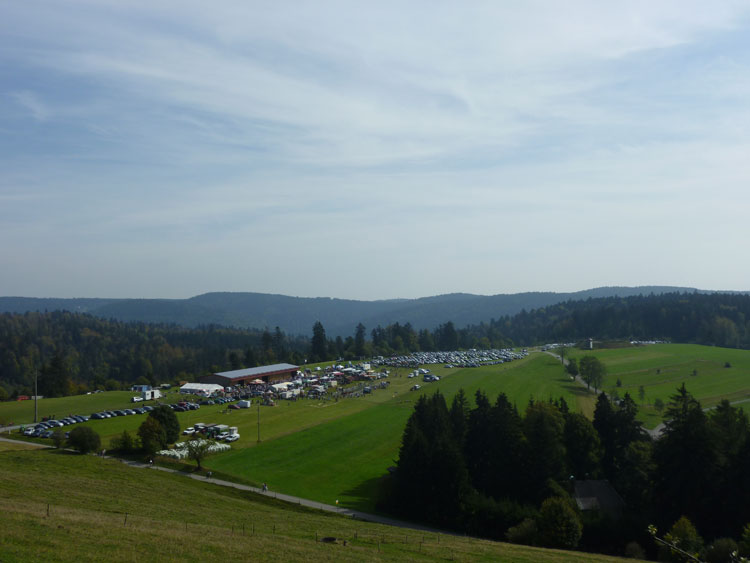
{"points": [[505, 138], [30, 102]]}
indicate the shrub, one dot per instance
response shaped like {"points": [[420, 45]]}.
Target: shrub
{"points": [[684, 536], [58, 438], [744, 546], [168, 421], [84, 439], [559, 525], [524, 533], [124, 443], [720, 551], [634, 551], [152, 435]]}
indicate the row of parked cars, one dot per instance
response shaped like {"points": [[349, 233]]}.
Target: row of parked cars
{"points": [[46, 428], [124, 412], [218, 400], [184, 406]]}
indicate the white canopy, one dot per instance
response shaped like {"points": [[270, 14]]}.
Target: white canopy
{"points": [[200, 389]]}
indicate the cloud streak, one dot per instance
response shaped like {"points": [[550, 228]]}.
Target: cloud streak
{"points": [[487, 144]]}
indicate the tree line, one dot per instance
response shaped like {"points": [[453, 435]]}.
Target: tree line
{"points": [[76, 352], [486, 469], [717, 319], [73, 353]]}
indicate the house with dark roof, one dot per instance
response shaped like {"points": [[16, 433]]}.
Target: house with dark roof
{"points": [[598, 495], [267, 374]]}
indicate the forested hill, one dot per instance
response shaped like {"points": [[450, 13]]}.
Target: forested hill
{"points": [[296, 315], [711, 319], [75, 352], [95, 352]]}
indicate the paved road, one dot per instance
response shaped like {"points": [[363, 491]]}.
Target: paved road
{"points": [[356, 514]]}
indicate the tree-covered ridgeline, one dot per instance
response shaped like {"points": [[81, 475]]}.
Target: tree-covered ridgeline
{"points": [[80, 352], [486, 469], [718, 319], [73, 352]]}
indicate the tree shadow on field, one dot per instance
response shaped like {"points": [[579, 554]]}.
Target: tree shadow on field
{"points": [[364, 497], [574, 388]]}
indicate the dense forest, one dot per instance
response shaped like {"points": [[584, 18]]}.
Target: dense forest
{"points": [[488, 470], [90, 352], [73, 353], [713, 319], [295, 315]]}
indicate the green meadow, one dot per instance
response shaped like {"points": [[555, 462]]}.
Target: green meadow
{"points": [[338, 450], [662, 368], [22, 412], [328, 450], [343, 458], [56, 506]]}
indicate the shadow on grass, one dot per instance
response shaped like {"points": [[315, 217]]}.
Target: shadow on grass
{"points": [[574, 388], [364, 497], [61, 451]]}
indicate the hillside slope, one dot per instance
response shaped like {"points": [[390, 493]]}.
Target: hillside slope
{"points": [[296, 315], [65, 507]]}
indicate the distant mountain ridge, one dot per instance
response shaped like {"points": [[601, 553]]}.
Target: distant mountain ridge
{"points": [[296, 315]]}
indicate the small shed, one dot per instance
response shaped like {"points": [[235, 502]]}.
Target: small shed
{"points": [[598, 495]]}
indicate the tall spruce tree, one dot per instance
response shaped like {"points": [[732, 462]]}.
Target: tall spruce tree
{"points": [[319, 344], [544, 429], [478, 446], [686, 460], [431, 478], [582, 446], [459, 417], [508, 452], [606, 427]]}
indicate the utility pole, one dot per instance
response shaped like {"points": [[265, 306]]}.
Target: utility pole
{"points": [[259, 420], [36, 392]]}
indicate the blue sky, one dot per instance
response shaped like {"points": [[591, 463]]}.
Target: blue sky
{"points": [[167, 149]]}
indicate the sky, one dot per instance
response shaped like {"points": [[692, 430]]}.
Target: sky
{"points": [[372, 150]]}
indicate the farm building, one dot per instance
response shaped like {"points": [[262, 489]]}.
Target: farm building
{"points": [[598, 496], [267, 374], [206, 389]]}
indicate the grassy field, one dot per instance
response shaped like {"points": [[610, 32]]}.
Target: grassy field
{"points": [[8, 446], [328, 450], [56, 506], [344, 457], [22, 412], [662, 368]]}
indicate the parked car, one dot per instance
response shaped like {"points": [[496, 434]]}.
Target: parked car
{"points": [[188, 431], [416, 387], [232, 438]]}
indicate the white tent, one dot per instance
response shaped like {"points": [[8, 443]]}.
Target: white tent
{"points": [[201, 389]]}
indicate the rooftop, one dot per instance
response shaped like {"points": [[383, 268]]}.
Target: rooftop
{"points": [[255, 372]]}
